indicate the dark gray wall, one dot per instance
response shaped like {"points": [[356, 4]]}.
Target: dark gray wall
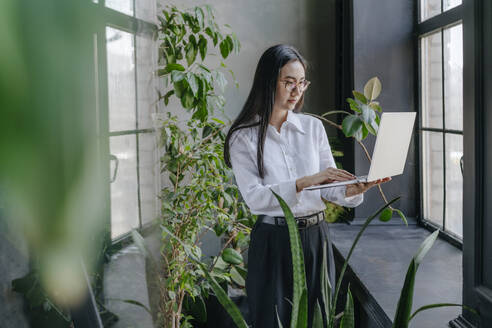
{"points": [[309, 25], [383, 47]]}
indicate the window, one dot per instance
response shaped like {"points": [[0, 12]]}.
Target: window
{"points": [[431, 8], [441, 117], [127, 61]]}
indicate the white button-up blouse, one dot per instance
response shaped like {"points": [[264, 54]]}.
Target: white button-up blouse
{"points": [[300, 149]]}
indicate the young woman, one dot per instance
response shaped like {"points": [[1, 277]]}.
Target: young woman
{"points": [[271, 145]]}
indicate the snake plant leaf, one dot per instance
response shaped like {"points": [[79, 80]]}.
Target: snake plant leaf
{"points": [[300, 306], [436, 305], [402, 216], [404, 306], [318, 317], [278, 318], [372, 89], [326, 288], [348, 320]]}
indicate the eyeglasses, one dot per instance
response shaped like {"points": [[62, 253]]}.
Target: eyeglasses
{"points": [[301, 86]]}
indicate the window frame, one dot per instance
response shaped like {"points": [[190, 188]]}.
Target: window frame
{"points": [[108, 17], [437, 23]]}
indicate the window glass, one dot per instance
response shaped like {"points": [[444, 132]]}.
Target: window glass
{"points": [[121, 80], [123, 6], [454, 184], [433, 176], [145, 9], [448, 4], [146, 89], [124, 201], [149, 173], [453, 77], [429, 8], [431, 68]]}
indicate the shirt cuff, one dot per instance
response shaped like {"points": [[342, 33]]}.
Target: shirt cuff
{"points": [[350, 201], [288, 191]]}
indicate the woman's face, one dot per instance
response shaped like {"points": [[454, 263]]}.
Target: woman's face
{"points": [[290, 74]]}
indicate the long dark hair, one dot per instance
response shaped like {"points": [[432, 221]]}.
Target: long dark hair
{"points": [[262, 97]]}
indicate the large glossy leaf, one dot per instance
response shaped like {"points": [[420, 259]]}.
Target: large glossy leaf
{"points": [[348, 320], [386, 215], [360, 97], [372, 89], [405, 302], [230, 255], [351, 125], [300, 306]]}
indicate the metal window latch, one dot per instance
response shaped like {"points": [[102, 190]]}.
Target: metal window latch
{"points": [[115, 172], [461, 165]]}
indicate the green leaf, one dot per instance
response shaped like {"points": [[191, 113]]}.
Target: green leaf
{"points": [[326, 288], [351, 124], [436, 305], [217, 120], [368, 115], [199, 16], [372, 89], [360, 97], [191, 51], [220, 79], [200, 113], [133, 302], [237, 278], [202, 46], [177, 76], [173, 67], [187, 99], [425, 247], [318, 319], [353, 105], [196, 308], [231, 256], [348, 320], [402, 216], [376, 107], [300, 309], [224, 48], [386, 215], [404, 307], [179, 88], [193, 82], [230, 43]]}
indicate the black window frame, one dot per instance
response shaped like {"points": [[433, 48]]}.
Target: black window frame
{"points": [[437, 23]]}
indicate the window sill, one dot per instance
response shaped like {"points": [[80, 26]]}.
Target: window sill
{"points": [[379, 264]]}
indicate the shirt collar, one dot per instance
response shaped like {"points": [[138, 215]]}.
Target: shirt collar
{"points": [[291, 118], [294, 119]]}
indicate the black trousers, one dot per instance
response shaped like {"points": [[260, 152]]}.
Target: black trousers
{"points": [[269, 285]]}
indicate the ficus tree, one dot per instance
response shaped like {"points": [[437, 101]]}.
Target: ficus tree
{"points": [[200, 195]]}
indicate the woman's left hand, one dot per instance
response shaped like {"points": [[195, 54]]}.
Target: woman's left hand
{"points": [[359, 188]]}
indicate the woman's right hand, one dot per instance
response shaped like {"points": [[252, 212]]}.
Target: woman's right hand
{"points": [[328, 175]]}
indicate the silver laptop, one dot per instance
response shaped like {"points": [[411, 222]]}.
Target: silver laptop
{"points": [[390, 151]]}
